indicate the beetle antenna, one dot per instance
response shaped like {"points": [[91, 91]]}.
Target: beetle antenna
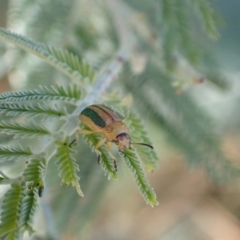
{"points": [[144, 144]]}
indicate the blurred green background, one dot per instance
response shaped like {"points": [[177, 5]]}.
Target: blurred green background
{"points": [[194, 125]]}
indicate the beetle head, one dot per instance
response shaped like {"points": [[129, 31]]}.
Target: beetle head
{"points": [[123, 141]]}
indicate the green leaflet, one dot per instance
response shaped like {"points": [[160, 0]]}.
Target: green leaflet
{"points": [[32, 109], [35, 172], [61, 59], [14, 153], [10, 207], [176, 14], [28, 209], [134, 165], [184, 30], [67, 166], [72, 60], [177, 29], [26, 130], [106, 161], [208, 16], [139, 135], [70, 93]]}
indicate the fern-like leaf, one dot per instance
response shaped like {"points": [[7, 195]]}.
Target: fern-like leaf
{"points": [[33, 176], [62, 60], [14, 153], [72, 60], [70, 93], [208, 16], [32, 109], [35, 172], [106, 161], [67, 166], [20, 130], [10, 210], [134, 165], [28, 209], [139, 135]]}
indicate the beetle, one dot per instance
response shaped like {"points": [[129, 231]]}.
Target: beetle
{"points": [[103, 120]]}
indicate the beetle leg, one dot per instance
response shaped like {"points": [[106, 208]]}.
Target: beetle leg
{"points": [[98, 155], [85, 132], [114, 160], [81, 131], [109, 145], [98, 145]]}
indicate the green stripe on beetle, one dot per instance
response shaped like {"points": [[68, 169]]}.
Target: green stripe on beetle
{"points": [[90, 113]]}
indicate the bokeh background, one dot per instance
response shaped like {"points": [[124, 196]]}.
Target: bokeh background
{"points": [[197, 200]]}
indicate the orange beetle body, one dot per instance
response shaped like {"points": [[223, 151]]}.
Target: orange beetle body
{"points": [[101, 119]]}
